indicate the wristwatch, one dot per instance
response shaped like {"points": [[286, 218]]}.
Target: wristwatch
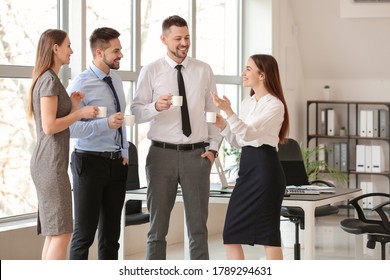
{"points": [[214, 152]]}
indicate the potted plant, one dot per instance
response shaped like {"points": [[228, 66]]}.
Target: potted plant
{"points": [[232, 162], [318, 169]]}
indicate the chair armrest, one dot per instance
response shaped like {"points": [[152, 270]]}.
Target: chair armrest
{"points": [[329, 184], [382, 214], [359, 209]]}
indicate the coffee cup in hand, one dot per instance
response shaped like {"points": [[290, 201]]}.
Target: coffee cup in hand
{"points": [[211, 117], [177, 100], [102, 112], [129, 120]]}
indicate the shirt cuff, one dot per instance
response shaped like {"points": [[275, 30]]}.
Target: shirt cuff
{"points": [[232, 119], [213, 146]]}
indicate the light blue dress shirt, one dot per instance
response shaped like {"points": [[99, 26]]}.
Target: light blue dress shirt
{"points": [[95, 134]]}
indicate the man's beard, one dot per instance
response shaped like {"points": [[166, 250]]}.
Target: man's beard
{"points": [[111, 65]]}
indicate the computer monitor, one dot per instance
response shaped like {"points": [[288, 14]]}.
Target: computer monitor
{"points": [[223, 185], [295, 173]]}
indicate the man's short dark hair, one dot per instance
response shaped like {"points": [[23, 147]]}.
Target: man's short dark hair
{"points": [[101, 36], [173, 20]]}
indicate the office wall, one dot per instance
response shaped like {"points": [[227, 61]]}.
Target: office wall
{"points": [[21, 244], [317, 45], [264, 19]]}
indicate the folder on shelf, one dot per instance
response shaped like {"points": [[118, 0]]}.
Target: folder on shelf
{"points": [[330, 155], [367, 187], [377, 159], [363, 123], [343, 157], [337, 157], [383, 123], [330, 122], [360, 158], [323, 122], [376, 123], [363, 187], [367, 159], [370, 123]]}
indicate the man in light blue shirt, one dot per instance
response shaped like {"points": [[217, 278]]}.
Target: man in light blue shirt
{"points": [[99, 161]]}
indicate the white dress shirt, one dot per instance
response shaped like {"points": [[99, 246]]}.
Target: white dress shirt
{"points": [[258, 124], [160, 78]]}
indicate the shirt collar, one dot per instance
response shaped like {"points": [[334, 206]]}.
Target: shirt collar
{"points": [[264, 99], [99, 73], [173, 63]]}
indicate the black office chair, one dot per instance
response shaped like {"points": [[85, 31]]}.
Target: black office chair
{"points": [[291, 159], [377, 230], [134, 214]]}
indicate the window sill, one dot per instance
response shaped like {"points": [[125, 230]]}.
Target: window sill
{"points": [[18, 222]]}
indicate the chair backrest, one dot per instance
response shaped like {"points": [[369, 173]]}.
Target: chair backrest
{"points": [[132, 182], [291, 159]]}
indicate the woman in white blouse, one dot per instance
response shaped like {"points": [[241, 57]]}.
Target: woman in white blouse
{"points": [[253, 215]]}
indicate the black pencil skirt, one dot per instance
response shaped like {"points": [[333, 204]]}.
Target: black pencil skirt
{"points": [[253, 214]]}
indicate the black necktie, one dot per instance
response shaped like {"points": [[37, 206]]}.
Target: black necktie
{"points": [[108, 80], [185, 117]]}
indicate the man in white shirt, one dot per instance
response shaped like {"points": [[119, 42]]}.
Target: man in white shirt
{"points": [[175, 158]]}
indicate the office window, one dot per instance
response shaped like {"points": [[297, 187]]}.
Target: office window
{"points": [[153, 12], [20, 28], [232, 92], [128, 87], [17, 192], [119, 16], [214, 41], [217, 35], [21, 25], [229, 163]]}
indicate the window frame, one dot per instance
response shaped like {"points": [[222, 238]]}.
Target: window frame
{"points": [[76, 11]]}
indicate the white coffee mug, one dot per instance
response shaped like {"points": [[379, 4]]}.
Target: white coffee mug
{"points": [[211, 117], [129, 120], [177, 100], [102, 113]]}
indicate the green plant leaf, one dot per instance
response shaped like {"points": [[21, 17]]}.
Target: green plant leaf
{"points": [[319, 169]]}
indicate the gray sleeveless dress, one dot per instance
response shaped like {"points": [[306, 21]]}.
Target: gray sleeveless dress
{"points": [[49, 162]]}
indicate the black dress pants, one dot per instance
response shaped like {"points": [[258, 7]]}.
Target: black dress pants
{"points": [[99, 186]]}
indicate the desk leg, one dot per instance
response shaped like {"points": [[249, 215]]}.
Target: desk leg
{"points": [[186, 241], [121, 251], [309, 232]]}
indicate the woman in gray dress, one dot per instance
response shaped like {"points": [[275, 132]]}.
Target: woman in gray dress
{"points": [[54, 111]]}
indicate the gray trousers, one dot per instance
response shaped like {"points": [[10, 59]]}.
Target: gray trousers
{"points": [[165, 169]]}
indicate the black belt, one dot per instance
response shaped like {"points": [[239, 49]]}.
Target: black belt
{"points": [[110, 155], [180, 147]]}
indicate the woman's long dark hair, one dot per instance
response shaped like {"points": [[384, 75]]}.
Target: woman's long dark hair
{"points": [[268, 65]]}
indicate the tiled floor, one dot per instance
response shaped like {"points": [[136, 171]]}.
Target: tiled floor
{"points": [[332, 243]]}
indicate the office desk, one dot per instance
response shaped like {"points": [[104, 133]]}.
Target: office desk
{"points": [[307, 202]]}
